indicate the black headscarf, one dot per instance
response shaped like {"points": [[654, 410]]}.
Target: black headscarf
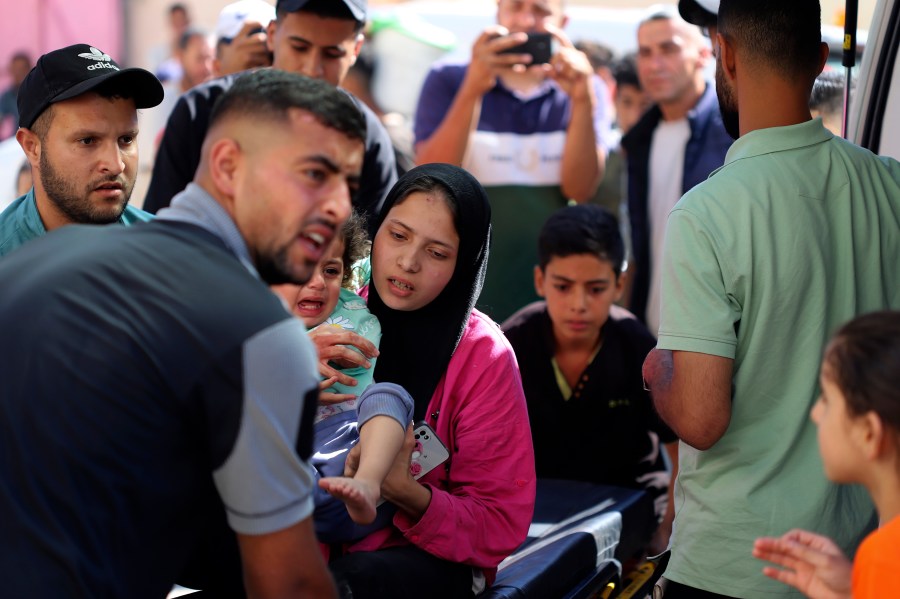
{"points": [[416, 346]]}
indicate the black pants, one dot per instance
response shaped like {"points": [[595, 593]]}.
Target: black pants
{"points": [[676, 590], [400, 573]]}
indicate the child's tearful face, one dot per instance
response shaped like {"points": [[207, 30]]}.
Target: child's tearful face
{"points": [[316, 300]]}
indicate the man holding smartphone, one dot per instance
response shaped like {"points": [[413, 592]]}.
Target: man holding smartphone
{"points": [[316, 38], [531, 134], [241, 37]]}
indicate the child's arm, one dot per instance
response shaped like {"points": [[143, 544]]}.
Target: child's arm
{"points": [[810, 563]]}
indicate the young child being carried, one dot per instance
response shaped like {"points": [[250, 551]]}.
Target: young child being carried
{"points": [[377, 419], [858, 417]]}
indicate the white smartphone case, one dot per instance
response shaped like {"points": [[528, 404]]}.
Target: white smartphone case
{"points": [[428, 453]]}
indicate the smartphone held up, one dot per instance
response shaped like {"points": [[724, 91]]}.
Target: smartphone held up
{"points": [[539, 45]]}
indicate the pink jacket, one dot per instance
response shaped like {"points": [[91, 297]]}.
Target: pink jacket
{"points": [[481, 506]]}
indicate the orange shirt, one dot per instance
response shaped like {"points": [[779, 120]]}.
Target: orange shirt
{"points": [[876, 568]]}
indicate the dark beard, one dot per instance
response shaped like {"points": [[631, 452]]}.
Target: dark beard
{"points": [[275, 270], [65, 197], [727, 105]]}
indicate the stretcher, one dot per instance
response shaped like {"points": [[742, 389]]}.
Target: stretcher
{"points": [[580, 535]]}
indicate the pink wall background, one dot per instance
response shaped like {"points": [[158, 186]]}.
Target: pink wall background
{"points": [[38, 26]]}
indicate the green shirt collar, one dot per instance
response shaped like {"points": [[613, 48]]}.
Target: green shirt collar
{"points": [[778, 139]]}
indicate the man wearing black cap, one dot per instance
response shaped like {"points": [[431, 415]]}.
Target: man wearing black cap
{"points": [[702, 13], [317, 38], [797, 233], [78, 128]]}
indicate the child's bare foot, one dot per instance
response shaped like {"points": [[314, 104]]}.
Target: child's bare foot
{"points": [[360, 496]]}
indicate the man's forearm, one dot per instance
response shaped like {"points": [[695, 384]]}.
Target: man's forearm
{"points": [[285, 564], [583, 161], [659, 370], [692, 394], [450, 140]]}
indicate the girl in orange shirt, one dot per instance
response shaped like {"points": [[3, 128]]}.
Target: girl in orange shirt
{"points": [[858, 417]]}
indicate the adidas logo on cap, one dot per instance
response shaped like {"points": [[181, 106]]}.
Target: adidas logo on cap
{"points": [[103, 65], [95, 54]]}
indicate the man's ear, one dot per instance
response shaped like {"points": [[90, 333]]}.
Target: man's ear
{"points": [[539, 281], [357, 47], [620, 285], [823, 57], [225, 158], [726, 58], [31, 145], [270, 34]]}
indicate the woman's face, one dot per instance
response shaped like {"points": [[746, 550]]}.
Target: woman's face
{"points": [[315, 301], [414, 252]]}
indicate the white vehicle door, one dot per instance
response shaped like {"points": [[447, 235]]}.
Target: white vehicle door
{"points": [[875, 110]]}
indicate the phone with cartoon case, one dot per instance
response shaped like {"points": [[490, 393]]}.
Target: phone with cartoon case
{"points": [[428, 452]]}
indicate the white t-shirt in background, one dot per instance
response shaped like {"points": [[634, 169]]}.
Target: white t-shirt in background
{"points": [[665, 180]]}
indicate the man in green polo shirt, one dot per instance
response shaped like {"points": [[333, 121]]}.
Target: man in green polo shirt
{"points": [[797, 233], [78, 129]]}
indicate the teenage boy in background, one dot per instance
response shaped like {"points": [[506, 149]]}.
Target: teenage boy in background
{"points": [[580, 358]]}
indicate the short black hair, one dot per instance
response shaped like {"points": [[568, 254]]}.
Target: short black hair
{"points": [[625, 71], [190, 33], [863, 359], [783, 35], [582, 229], [325, 8], [828, 92], [599, 55], [270, 93]]}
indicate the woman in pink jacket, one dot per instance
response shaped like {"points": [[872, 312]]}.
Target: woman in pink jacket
{"points": [[453, 526]]}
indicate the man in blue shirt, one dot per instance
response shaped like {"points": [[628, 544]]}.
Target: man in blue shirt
{"points": [[674, 146], [531, 133], [78, 129]]}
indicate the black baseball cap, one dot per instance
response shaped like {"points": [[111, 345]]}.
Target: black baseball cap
{"points": [[701, 13], [356, 8], [71, 71]]}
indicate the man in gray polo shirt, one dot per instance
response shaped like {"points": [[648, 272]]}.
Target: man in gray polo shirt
{"points": [[150, 377]]}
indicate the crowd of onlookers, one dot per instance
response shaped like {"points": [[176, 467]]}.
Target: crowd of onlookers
{"points": [[334, 355]]}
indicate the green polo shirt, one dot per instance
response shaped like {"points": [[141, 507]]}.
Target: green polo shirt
{"points": [[798, 232], [20, 222]]}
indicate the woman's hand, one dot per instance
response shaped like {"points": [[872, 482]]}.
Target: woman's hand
{"points": [[810, 563], [336, 345], [399, 486]]}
